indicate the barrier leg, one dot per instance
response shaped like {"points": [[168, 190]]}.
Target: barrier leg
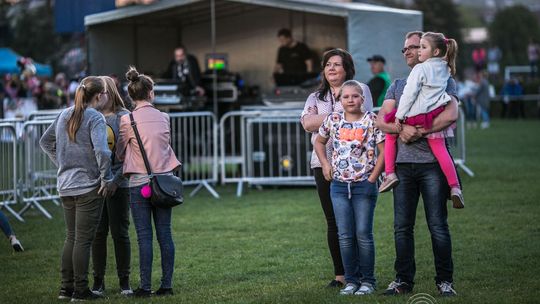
{"points": [[207, 186], [48, 194], [37, 205], [239, 189], [13, 212], [461, 164]]}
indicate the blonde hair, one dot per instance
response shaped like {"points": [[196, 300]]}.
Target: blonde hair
{"points": [[448, 48], [86, 91], [118, 102], [352, 83]]}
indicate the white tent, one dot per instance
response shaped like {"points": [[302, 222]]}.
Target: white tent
{"points": [[145, 35]]}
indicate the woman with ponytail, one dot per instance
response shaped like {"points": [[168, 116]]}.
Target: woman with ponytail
{"points": [[115, 215], [77, 143], [423, 99], [155, 133]]}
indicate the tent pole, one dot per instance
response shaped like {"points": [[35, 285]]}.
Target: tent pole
{"points": [[214, 71]]}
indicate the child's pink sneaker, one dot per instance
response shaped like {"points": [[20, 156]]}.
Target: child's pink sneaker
{"points": [[390, 181]]}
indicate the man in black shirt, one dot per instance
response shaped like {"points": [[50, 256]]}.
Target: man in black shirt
{"points": [[185, 69], [294, 61]]}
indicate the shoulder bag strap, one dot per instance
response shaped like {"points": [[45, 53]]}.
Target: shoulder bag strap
{"points": [[141, 147]]}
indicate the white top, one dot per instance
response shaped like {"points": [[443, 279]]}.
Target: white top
{"points": [[425, 89]]}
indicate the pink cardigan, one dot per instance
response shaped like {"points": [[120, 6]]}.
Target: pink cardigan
{"points": [[155, 133]]}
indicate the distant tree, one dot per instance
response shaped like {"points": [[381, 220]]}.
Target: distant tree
{"points": [[511, 30], [33, 32], [442, 16]]}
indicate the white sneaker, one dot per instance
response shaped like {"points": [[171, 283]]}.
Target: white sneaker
{"points": [[16, 244], [365, 289], [349, 289]]}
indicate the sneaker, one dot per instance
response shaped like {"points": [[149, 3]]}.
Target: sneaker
{"points": [[457, 198], [397, 287], [86, 295], [335, 284], [390, 181], [446, 289], [16, 244], [349, 289], [125, 288], [65, 294], [164, 292], [141, 293], [99, 286], [365, 289]]}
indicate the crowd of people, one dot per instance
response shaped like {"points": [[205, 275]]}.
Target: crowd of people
{"points": [[102, 174]]}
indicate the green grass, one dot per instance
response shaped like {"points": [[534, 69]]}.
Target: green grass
{"points": [[269, 246]]}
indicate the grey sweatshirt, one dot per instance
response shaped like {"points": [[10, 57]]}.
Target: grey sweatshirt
{"points": [[85, 164]]}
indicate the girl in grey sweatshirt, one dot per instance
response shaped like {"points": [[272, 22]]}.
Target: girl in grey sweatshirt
{"points": [[77, 143]]}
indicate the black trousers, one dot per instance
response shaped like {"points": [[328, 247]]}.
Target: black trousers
{"points": [[323, 189]]}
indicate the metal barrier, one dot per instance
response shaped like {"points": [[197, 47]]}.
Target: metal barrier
{"points": [[264, 147], [458, 144], [8, 167], [44, 114], [194, 140], [39, 172]]}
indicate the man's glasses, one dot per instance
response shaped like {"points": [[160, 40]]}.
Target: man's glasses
{"points": [[409, 48]]}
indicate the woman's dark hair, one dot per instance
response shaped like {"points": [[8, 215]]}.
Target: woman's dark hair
{"points": [[140, 85], [348, 66]]}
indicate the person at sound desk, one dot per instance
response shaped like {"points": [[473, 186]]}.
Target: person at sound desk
{"points": [[185, 68]]}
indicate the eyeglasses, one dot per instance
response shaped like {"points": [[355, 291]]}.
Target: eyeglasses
{"points": [[409, 48]]}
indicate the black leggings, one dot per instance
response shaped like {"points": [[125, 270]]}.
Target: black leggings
{"points": [[323, 188]]}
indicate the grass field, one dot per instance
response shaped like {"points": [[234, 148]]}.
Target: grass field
{"points": [[269, 246]]}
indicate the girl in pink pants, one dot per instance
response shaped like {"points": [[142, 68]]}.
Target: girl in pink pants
{"points": [[423, 99]]}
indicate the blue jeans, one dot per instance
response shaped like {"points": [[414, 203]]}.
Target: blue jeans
{"points": [[354, 208], [142, 212], [429, 181], [4, 225]]}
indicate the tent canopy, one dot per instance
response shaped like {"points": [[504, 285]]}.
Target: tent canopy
{"points": [[8, 64], [145, 35]]}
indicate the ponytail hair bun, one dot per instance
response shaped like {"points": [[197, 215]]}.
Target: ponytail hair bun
{"points": [[132, 74]]}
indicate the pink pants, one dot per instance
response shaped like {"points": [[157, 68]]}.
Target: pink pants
{"points": [[438, 147]]}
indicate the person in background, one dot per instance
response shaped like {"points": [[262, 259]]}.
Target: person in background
{"points": [[184, 68], [294, 63], [8, 232], [115, 214], [533, 54], [512, 92], [482, 98], [76, 142], [380, 81]]}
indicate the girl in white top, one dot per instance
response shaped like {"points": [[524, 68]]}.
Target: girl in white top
{"points": [[423, 99]]}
